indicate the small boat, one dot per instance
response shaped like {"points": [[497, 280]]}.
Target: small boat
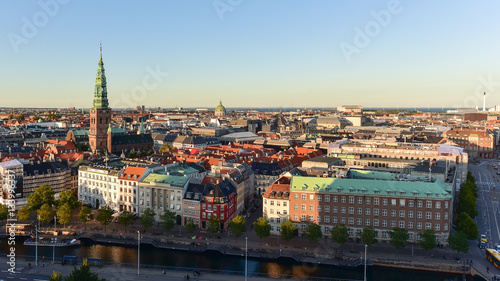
{"points": [[54, 242]]}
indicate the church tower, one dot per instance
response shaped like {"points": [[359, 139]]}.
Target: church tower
{"points": [[100, 113]]}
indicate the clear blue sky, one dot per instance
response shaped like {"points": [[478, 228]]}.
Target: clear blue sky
{"points": [[261, 53]]}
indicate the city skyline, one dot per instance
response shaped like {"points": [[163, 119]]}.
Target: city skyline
{"points": [[251, 54]]}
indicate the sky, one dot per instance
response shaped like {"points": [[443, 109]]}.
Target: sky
{"points": [[251, 53]]}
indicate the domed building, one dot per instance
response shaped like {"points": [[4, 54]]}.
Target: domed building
{"points": [[220, 110]]}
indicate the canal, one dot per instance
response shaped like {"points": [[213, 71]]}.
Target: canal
{"points": [[218, 261]]}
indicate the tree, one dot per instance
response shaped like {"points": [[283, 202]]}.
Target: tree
{"points": [[166, 147], [42, 195], [126, 218], [313, 232], [85, 215], [190, 226], [262, 227], [340, 233], [45, 213], [287, 230], [64, 214], [466, 224], [458, 242], [369, 236], [214, 224], [147, 218], [467, 203], [399, 237], [4, 212], [105, 215], [68, 197], [237, 226], [24, 213], [427, 240], [167, 220], [56, 276], [83, 273]]}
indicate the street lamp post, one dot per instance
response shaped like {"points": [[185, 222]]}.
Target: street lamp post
{"points": [[138, 250], [366, 246], [246, 257], [54, 242], [36, 245]]}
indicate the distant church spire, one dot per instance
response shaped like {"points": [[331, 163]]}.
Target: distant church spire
{"points": [[100, 91]]}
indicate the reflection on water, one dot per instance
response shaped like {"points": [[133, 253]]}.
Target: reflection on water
{"points": [[216, 260]]}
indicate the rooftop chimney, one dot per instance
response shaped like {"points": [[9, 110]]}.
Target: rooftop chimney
{"points": [[484, 101]]}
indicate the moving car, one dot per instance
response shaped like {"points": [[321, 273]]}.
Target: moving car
{"points": [[483, 238]]}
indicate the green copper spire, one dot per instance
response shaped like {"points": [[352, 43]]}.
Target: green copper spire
{"points": [[101, 91]]}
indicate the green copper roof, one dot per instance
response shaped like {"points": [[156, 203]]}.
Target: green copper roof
{"points": [[392, 188], [178, 181], [220, 107], [100, 91]]}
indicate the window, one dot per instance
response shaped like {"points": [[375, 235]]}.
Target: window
{"points": [[334, 219], [437, 227], [419, 225], [402, 202], [402, 224], [445, 226], [303, 197], [384, 201], [376, 201], [428, 215], [368, 201], [410, 225], [367, 222], [334, 209], [296, 217], [319, 208], [271, 211], [438, 205], [272, 202], [342, 210], [428, 204], [367, 211], [327, 219], [393, 224], [419, 215], [401, 214], [437, 216], [342, 199], [410, 203], [446, 215], [327, 209], [351, 199], [303, 207], [319, 198], [335, 199], [284, 204], [428, 225], [327, 198], [360, 200], [318, 219], [302, 217], [296, 196], [311, 197], [359, 221], [360, 211], [384, 223], [384, 213], [295, 206], [393, 213], [410, 214], [393, 202], [311, 218], [375, 212], [351, 220], [375, 222], [446, 204], [351, 210], [419, 204], [311, 207], [384, 233]]}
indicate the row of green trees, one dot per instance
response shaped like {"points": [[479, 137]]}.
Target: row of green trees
{"points": [[464, 225]]}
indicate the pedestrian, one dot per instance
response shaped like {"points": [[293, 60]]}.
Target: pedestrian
{"points": [[488, 269]]}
